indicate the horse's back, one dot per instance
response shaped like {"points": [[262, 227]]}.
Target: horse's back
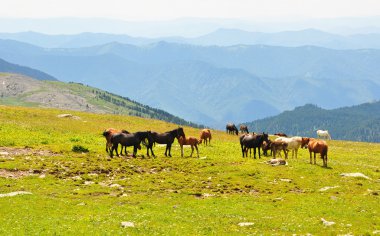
{"points": [[318, 146]]}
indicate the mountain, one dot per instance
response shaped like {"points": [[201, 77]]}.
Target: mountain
{"points": [[213, 85], [359, 123], [13, 68], [219, 37], [21, 90]]}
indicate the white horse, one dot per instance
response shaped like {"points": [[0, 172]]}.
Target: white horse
{"points": [[294, 143], [323, 134]]}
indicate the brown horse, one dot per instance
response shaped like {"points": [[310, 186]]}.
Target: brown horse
{"points": [[277, 146], [316, 146], [206, 136], [108, 134], [244, 129], [193, 142], [231, 129]]}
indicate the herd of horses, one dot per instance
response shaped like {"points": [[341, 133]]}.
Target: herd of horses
{"points": [[247, 142]]}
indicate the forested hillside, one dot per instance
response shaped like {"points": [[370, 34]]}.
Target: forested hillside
{"points": [[360, 123]]}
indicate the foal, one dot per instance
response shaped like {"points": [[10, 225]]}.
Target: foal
{"points": [[193, 142], [206, 136]]}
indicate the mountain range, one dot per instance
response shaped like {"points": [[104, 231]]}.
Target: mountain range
{"points": [[213, 85], [359, 123], [219, 37]]}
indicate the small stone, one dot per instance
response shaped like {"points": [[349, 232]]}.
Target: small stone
{"points": [[242, 224], [42, 176], [327, 223], [286, 180], [376, 232], [88, 182], [327, 188], [4, 153], [360, 175], [126, 224]]}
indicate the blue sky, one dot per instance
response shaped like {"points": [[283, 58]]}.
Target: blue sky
{"points": [[171, 9]]}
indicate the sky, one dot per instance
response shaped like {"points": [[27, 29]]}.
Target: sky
{"points": [[143, 10]]}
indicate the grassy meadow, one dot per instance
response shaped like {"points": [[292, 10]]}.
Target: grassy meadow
{"points": [[91, 194]]}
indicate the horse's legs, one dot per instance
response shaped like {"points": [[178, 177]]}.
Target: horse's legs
{"points": [[311, 159], [196, 147], [254, 153], [169, 146], [181, 150], [315, 158], [259, 152], [192, 150], [134, 151], [286, 154], [296, 151]]}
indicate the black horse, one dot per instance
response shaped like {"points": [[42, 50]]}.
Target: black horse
{"points": [[166, 138], [133, 139], [231, 129], [252, 141]]}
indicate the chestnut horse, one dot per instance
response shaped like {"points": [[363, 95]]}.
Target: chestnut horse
{"points": [[206, 136], [108, 134], [193, 142], [231, 129], [316, 146]]}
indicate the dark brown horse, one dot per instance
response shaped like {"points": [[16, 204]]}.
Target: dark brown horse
{"points": [[231, 129], [166, 138], [248, 141], [316, 146], [133, 139], [205, 136], [108, 134], [244, 129]]}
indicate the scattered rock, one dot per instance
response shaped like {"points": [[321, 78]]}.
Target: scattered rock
{"points": [[242, 224], [42, 176], [376, 232], [202, 158], [360, 175], [327, 223], [278, 199], [12, 194], [68, 116], [286, 180], [81, 204], [126, 224], [208, 195], [327, 188], [4, 153], [88, 182]]}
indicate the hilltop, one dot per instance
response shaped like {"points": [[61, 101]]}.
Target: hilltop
{"points": [[359, 123], [21, 90]]}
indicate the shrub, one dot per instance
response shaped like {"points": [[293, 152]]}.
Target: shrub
{"points": [[79, 148]]}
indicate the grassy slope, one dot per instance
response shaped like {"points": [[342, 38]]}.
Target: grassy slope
{"points": [[160, 195]]}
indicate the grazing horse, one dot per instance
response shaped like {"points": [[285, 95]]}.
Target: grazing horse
{"points": [[244, 129], [266, 146], [231, 129], [133, 139], [193, 142], [323, 134], [294, 143], [166, 138], [281, 134], [206, 136], [316, 146], [108, 134], [248, 141]]}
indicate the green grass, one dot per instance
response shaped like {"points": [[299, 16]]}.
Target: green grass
{"points": [[89, 193]]}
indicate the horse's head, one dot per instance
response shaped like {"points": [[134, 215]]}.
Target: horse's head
{"points": [[180, 133], [304, 142], [265, 137]]}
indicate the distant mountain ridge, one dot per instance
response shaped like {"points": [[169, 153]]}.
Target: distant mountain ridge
{"points": [[21, 90], [219, 37], [358, 123], [13, 68], [213, 85]]}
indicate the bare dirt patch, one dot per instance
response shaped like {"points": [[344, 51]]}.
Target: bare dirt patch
{"points": [[11, 151]]}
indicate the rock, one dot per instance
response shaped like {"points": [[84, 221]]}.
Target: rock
{"points": [[126, 224], [327, 188], [4, 153], [42, 176], [88, 182], [12, 194], [360, 175], [241, 224], [376, 232], [68, 116], [286, 180], [327, 223]]}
